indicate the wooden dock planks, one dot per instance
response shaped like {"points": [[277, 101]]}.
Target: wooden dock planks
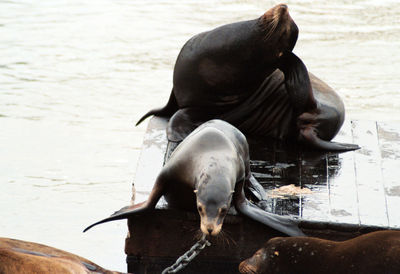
{"points": [[351, 193], [389, 144], [360, 187]]}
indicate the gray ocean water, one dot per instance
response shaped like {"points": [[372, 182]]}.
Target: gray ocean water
{"points": [[75, 75]]}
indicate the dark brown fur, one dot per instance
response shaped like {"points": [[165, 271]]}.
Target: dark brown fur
{"points": [[377, 252], [26, 257], [231, 73]]}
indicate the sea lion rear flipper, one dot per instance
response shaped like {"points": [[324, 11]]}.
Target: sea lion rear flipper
{"points": [[167, 111], [309, 137], [123, 213], [184, 121]]}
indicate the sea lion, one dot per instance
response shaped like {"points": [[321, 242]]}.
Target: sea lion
{"points": [[376, 252], [230, 73], [208, 172], [18, 256]]}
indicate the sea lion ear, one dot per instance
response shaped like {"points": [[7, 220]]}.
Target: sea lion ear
{"points": [[195, 191]]}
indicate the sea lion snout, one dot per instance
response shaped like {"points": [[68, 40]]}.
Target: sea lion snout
{"points": [[246, 268], [276, 12], [211, 218], [253, 264], [210, 229], [280, 31], [280, 9], [210, 226]]}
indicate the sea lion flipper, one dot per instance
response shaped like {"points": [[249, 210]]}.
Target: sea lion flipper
{"points": [[286, 225], [183, 122], [132, 210], [167, 111], [283, 224], [123, 213], [297, 83], [256, 191], [309, 137]]}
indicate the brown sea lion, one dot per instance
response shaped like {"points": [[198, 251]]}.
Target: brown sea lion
{"points": [[376, 252], [230, 73], [207, 172], [18, 256]]}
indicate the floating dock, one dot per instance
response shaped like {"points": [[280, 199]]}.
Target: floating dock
{"points": [[347, 194]]}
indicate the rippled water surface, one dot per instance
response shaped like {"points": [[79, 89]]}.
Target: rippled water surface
{"points": [[76, 75]]}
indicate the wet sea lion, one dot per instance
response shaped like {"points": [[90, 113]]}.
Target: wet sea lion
{"points": [[376, 252], [317, 110], [230, 73], [221, 68], [207, 172], [18, 256]]}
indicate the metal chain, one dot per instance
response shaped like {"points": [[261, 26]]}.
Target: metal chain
{"points": [[183, 260]]}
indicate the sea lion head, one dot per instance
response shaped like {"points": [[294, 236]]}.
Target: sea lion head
{"points": [[280, 32], [214, 196], [255, 264], [260, 261]]}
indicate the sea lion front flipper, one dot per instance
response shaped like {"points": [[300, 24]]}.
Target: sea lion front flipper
{"points": [[256, 191], [184, 121], [283, 224], [132, 210], [299, 89], [123, 213], [297, 83], [309, 137]]}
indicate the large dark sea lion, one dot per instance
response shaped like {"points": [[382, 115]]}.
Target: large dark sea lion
{"points": [[207, 172], [230, 73], [377, 252], [18, 256]]}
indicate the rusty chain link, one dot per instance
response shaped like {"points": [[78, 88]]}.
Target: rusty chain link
{"points": [[183, 260]]}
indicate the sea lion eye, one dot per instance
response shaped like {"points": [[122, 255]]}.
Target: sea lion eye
{"points": [[200, 208]]}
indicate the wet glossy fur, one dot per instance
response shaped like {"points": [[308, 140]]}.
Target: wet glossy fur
{"points": [[207, 173], [376, 252], [230, 73]]}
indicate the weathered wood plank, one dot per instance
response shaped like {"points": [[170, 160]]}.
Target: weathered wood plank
{"points": [[151, 158], [313, 175], [273, 167], [370, 190], [341, 182], [389, 143]]}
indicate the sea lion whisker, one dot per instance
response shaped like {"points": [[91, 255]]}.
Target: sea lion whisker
{"points": [[272, 28], [229, 238], [198, 235], [221, 240], [268, 27]]}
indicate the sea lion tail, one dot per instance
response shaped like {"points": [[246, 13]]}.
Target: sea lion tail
{"points": [[170, 108]]}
